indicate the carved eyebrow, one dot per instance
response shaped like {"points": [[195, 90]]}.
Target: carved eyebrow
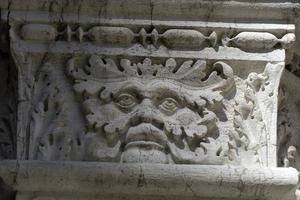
{"points": [[133, 87], [164, 92]]}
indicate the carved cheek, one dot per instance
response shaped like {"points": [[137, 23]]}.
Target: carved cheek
{"points": [[103, 114], [110, 111], [186, 116]]}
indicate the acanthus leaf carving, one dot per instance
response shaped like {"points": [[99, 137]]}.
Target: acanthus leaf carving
{"points": [[51, 136], [137, 109], [252, 119]]}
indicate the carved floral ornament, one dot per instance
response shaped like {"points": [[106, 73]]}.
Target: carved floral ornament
{"points": [[146, 112]]}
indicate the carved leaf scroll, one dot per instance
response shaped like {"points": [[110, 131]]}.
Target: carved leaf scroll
{"points": [[52, 137], [191, 73], [192, 132], [254, 114]]}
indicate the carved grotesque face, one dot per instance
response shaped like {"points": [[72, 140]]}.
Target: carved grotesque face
{"points": [[150, 117]]}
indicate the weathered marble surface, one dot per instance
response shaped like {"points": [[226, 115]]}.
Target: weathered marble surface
{"points": [[146, 94], [213, 102], [78, 180]]}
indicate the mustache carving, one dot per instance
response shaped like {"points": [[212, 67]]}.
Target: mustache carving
{"points": [[147, 116], [118, 128]]}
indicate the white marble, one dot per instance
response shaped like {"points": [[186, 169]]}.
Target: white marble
{"points": [[82, 180], [149, 99]]}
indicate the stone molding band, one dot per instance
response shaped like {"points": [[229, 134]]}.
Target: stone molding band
{"points": [[205, 181]]}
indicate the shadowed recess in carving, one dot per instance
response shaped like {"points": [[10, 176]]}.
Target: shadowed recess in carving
{"points": [[6, 192], [8, 108]]}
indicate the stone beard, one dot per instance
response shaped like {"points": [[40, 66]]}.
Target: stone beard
{"points": [[152, 113]]}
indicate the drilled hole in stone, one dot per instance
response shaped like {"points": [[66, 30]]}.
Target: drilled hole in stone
{"points": [[219, 152], [50, 139], [46, 105], [78, 142], [155, 73], [139, 71]]}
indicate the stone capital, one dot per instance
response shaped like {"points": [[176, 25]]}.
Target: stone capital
{"points": [[113, 87]]}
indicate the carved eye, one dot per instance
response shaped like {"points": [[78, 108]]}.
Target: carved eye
{"points": [[126, 101], [169, 105]]}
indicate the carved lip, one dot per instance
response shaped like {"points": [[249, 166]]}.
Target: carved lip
{"points": [[147, 136], [145, 145]]}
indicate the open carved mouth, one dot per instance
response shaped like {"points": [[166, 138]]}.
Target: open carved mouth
{"points": [[147, 136]]}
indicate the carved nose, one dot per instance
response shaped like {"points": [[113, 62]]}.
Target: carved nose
{"points": [[147, 113]]}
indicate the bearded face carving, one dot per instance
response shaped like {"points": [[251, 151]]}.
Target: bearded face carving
{"points": [[151, 113]]}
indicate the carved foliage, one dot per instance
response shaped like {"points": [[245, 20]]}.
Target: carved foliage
{"points": [[149, 112], [287, 128], [248, 122], [165, 109], [55, 128], [254, 114]]}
